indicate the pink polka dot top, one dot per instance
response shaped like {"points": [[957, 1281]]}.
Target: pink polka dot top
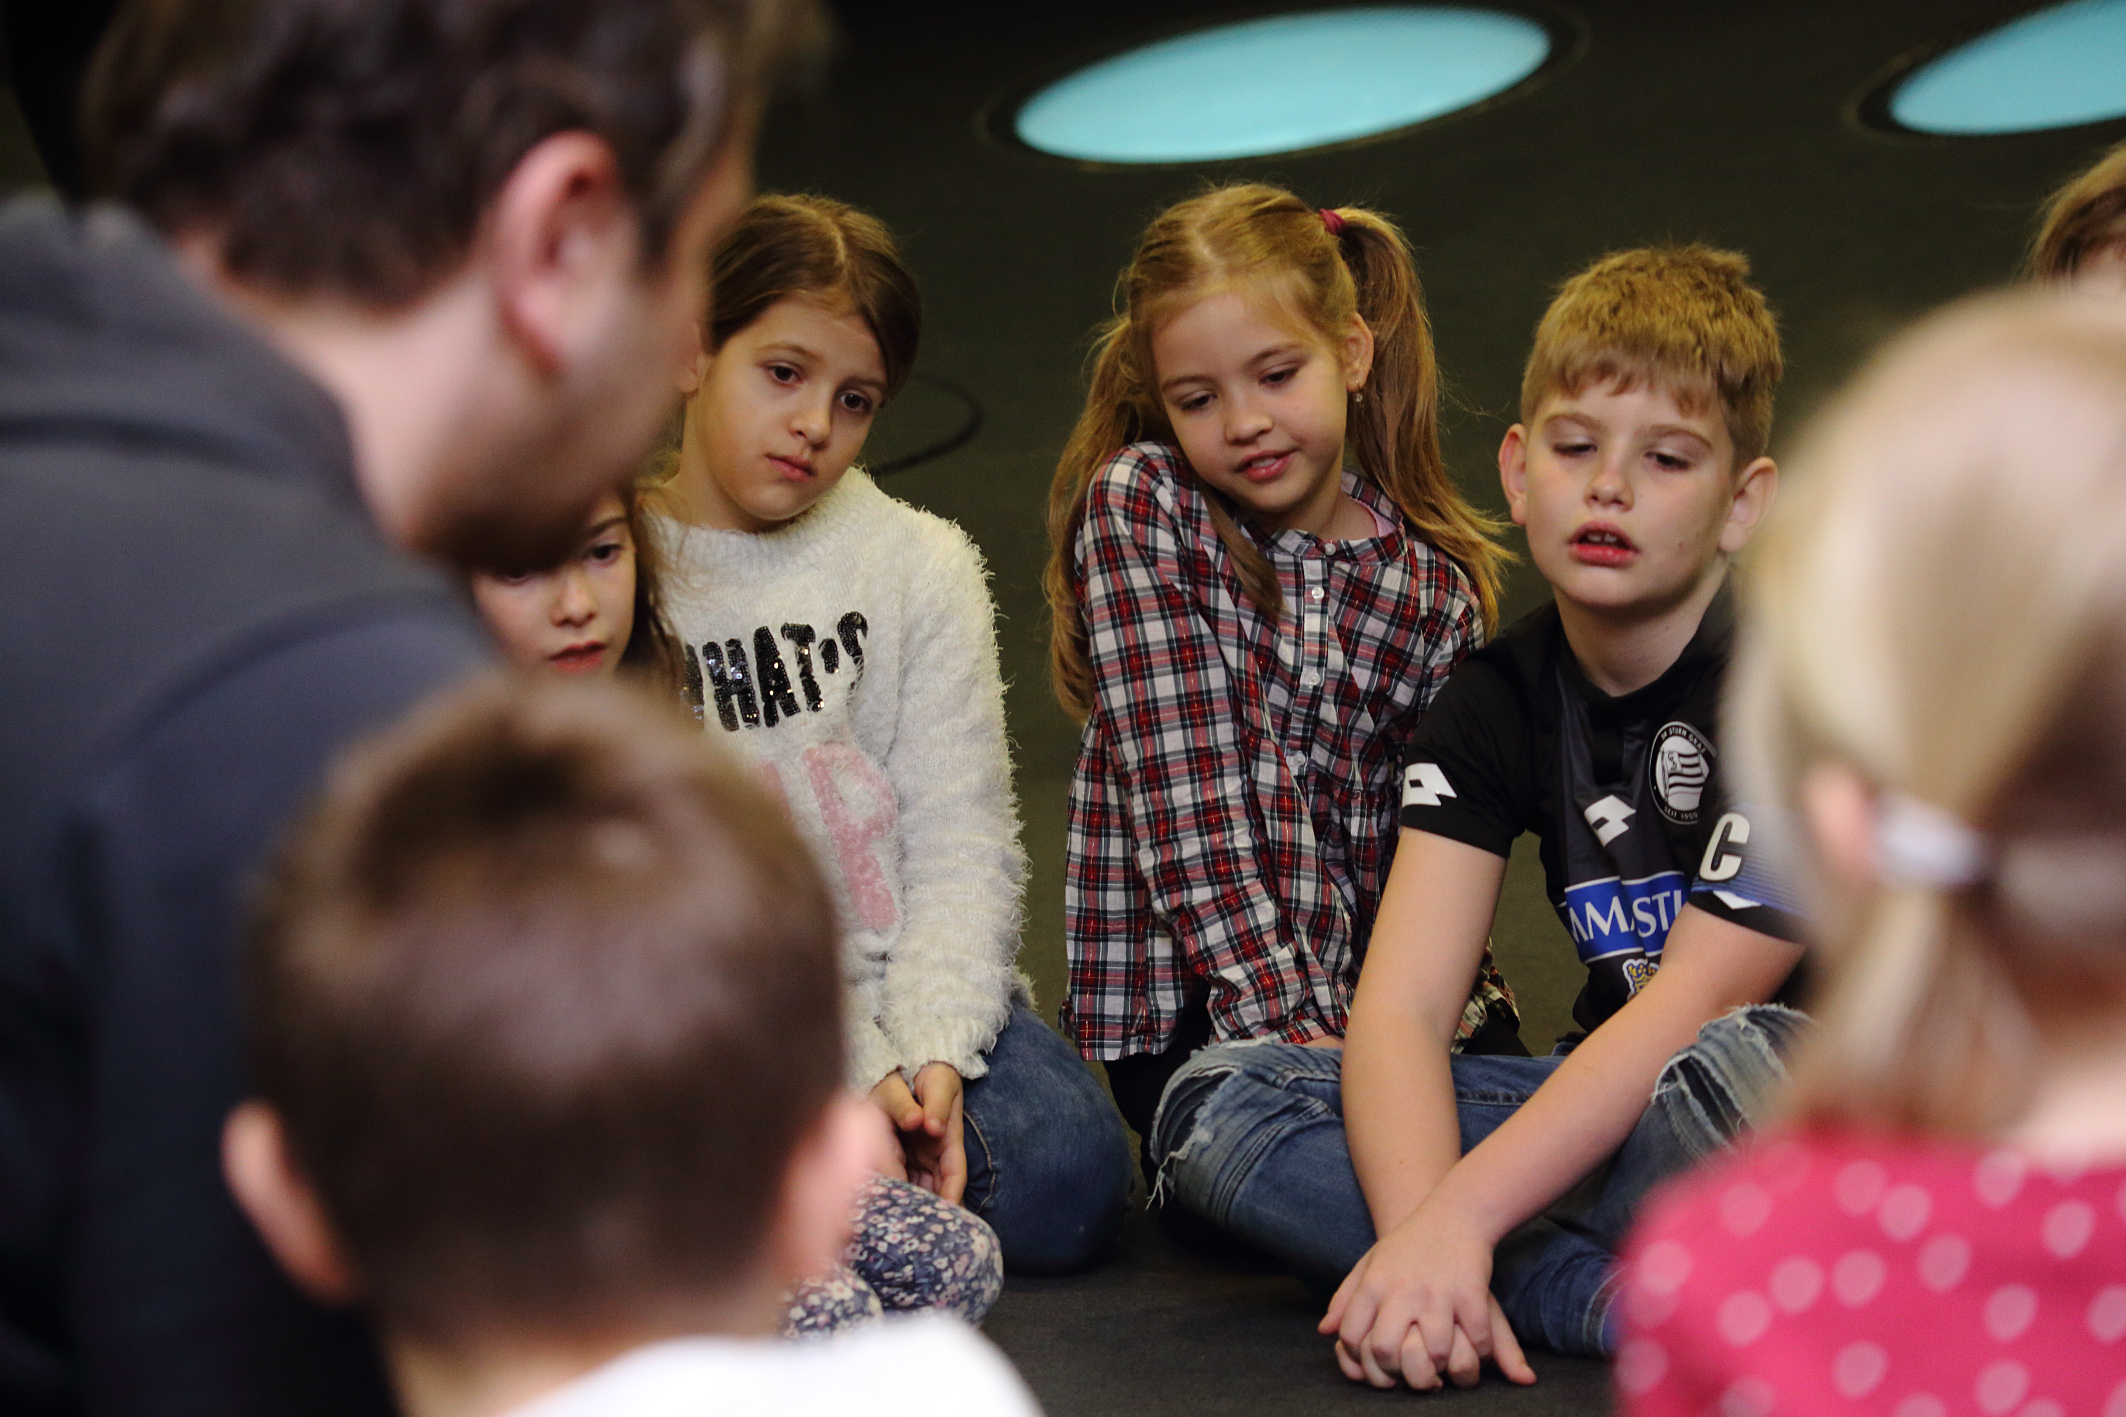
{"points": [[1833, 1272]]}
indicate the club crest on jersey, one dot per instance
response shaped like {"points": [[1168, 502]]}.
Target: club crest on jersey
{"points": [[1681, 765], [1424, 785]]}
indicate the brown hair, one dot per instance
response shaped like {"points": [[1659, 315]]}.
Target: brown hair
{"points": [[1684, 319], [351, 148], [1923, 615], [2087, 214], [538, 956], [652, 654], [782, 246], [1246, 232]]}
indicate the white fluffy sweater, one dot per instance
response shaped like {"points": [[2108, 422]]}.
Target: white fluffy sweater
{"points": [[852, 654]]}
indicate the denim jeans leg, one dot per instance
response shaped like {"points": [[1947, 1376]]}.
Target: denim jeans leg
{"points": [[1048, 1164], [1250, 1136]]}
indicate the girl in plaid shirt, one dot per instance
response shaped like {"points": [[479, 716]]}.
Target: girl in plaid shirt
{"points": [[1261, 573]]}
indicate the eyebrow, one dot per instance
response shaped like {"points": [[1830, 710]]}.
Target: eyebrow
{"points": [[617, 519], [1659, 430]]}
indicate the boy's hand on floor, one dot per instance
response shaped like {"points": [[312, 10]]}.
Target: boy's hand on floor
{"points": [[1418, 1306], [937, 1155]]}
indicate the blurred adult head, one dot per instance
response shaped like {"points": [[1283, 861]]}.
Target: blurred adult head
{"points": [[481, 224]]}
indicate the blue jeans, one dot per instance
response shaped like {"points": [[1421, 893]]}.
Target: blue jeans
{"points": [[1048, 1163], [1251, 1137]]}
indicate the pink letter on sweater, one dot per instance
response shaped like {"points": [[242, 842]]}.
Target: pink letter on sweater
{"points": [[857, 827]]}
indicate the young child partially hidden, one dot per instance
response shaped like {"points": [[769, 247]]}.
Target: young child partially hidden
{"points": [[545, 1022]]}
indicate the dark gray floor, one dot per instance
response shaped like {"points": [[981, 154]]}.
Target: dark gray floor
{"points": [[1164, 1332]]}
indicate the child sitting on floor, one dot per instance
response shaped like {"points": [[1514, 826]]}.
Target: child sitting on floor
{"points": [[599, 613], [1933, 676], [1638, 471], [1260, 574], [545, 1025], [845, 641]]}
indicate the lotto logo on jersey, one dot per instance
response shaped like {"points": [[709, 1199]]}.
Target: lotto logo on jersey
{"points": [[1610, 916], [1424, 785]]}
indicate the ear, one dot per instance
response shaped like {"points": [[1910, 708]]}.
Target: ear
{"points": [[1513, 471], [1755, 487], [1355, 349], [827, 1169], [266, 1184], [558, 233], [695, 371], [1840, 808]]}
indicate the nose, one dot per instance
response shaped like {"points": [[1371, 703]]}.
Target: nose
{"points": [[811, 420], [1610, 483], [574, 605], [1245, 420]]}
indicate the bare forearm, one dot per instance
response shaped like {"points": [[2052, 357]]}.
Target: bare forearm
{"points": [[1590, 1104], [1399, 1115], [1579, 1116]]}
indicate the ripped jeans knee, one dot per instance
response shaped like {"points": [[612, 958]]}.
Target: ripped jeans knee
{"points": [[1229, 1107], [1722, 1084]]}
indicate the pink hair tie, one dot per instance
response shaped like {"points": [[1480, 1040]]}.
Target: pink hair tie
{"points": [[1332, 221]]}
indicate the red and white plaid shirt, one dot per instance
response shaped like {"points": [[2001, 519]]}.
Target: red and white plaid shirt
{"points": [[1233, 813]]}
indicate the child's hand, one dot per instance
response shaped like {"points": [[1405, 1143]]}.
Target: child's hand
{"points": [[885, 1140], [1418, 1306], [937, 1156], [926, 1122], [901, 1111]]}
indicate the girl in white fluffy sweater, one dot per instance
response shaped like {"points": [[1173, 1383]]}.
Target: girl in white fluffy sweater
{"points": [[845, 640]]}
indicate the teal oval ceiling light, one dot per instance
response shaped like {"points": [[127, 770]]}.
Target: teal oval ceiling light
{"points": [[1282, 84], [2061, 66]]}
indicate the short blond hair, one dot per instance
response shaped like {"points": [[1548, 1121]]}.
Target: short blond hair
{"points": [[1683, 319], [2083, 217], [1940, 606]]}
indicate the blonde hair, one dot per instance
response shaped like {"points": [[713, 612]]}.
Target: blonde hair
{"points": [[2083, 217], [1683, 319], [1249, 232], [1941, 607]]}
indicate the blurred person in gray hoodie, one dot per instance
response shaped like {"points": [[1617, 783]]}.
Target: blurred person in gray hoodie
{"points": [[382, 281]]}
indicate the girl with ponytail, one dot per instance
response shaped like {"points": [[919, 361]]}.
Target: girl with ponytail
{"points": [[1932, 677], [1261, 571]]}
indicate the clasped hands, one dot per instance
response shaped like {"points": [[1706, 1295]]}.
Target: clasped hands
{"points": [[1417, 1308], [925, 1143]]}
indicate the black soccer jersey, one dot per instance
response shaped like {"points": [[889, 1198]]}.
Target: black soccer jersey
{"points": [[1624, 792]]}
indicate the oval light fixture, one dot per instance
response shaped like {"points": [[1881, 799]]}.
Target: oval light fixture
{"points": [[2055, 68], [1282, 84]]}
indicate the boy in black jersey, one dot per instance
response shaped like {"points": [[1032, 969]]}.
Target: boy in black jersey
{"points": [[1638, 471]]}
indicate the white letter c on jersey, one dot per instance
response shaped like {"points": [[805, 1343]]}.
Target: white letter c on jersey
{"points": [[1721, 862]]}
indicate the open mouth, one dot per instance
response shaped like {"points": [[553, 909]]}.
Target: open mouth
{"points": [[1598, 544], [1265, 467]]}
